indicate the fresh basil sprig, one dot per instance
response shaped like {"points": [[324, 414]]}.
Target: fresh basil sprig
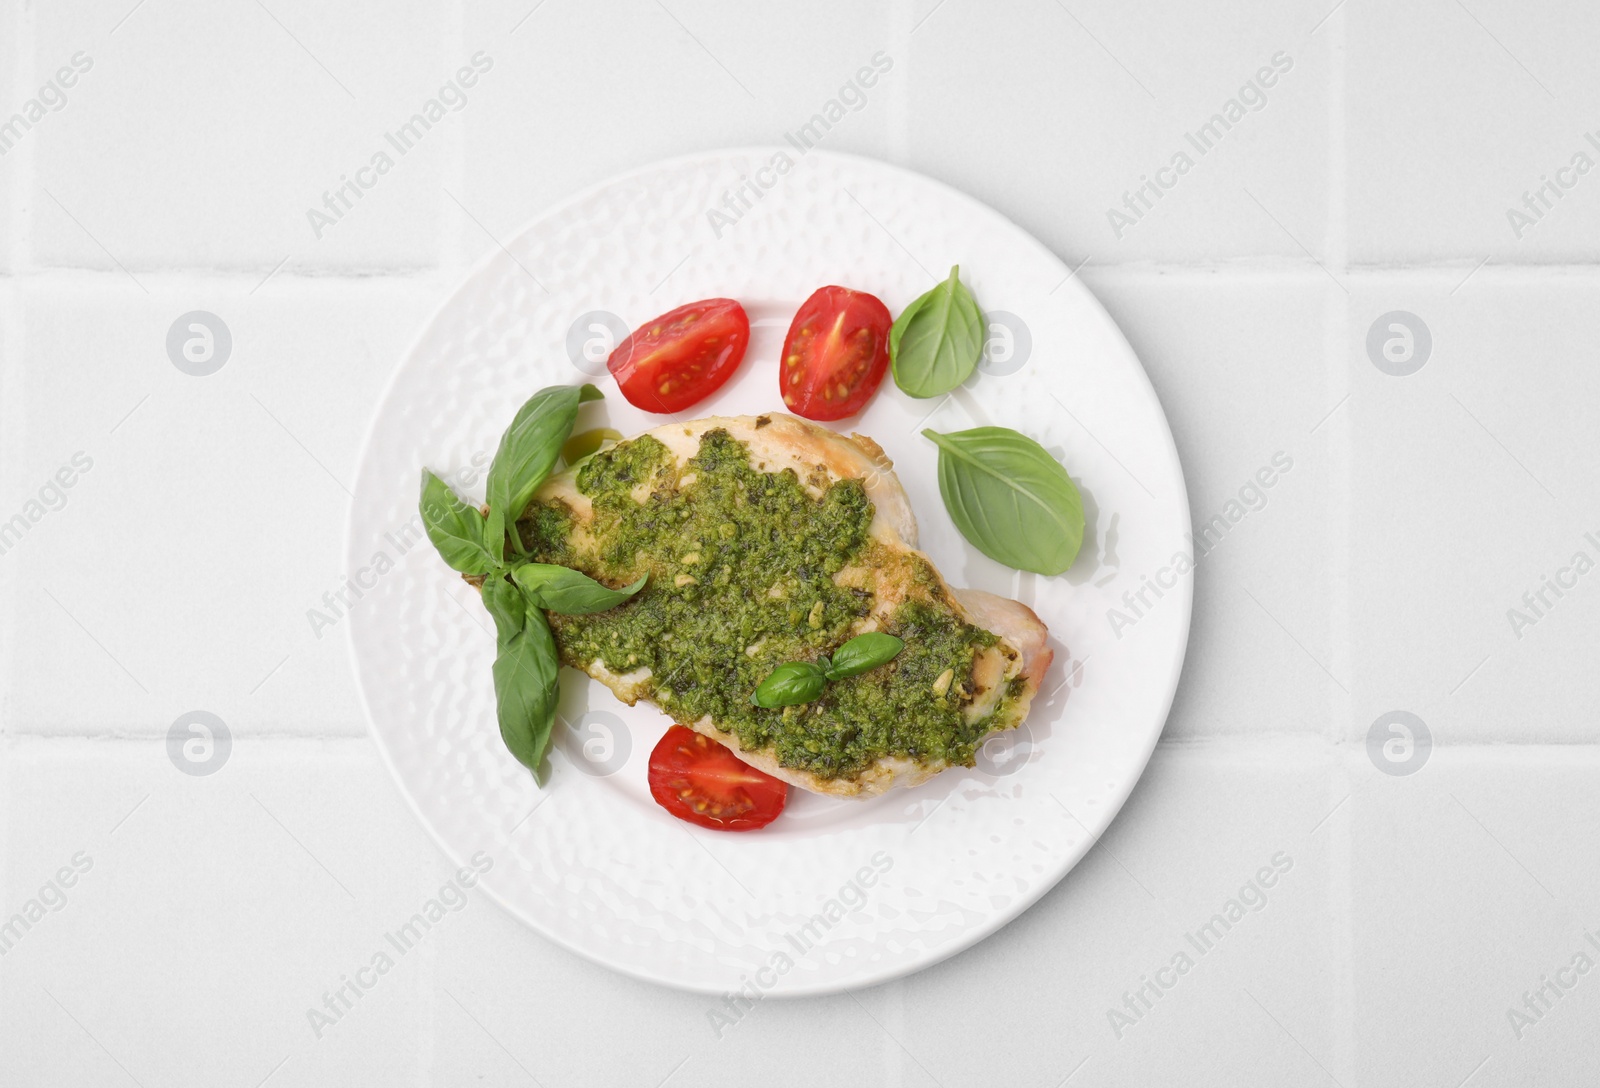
{"points": [[936, 342], [799, 682], [1010, 498], [517, 593], [569, 592], [525, 690], [525, 668], [507, 607], [456, 529], [528, 451]]}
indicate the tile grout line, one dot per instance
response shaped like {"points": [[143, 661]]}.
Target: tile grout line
{"points": [[897, 113], [7, 792], [1341, 446], [452, 225], [1261, 267], [13, 338], [13, 437], [21, 241], [428, 989], [1341, 917], [452, 250], [24, 178], [895, 998], [1337, 240], [12, 343]]}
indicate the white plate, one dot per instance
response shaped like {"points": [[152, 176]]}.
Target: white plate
{"points": [[836, 894]]}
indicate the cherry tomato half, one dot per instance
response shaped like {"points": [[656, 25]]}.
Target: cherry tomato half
{"points": [[682, 356], [836, 353], [698, 780]]}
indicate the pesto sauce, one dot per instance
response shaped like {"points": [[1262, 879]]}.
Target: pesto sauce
{"points": [[742, 566]]}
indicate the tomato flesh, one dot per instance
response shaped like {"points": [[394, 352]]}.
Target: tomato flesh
{"points": [[836, 353], [681, 357], [698, 780]]}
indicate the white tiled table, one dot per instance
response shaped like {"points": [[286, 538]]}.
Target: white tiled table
{"points": [[216, 910]]}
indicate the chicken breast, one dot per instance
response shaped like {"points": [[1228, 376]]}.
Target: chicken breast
{"points": [[770, 539]]}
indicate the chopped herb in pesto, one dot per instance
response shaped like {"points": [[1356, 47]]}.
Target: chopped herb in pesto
{"points": [[741, 565]]}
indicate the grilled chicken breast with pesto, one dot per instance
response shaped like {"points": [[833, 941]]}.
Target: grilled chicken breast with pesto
{"points": [[769, 539]]}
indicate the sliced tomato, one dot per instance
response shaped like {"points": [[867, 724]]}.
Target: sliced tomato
{"points": [[836, 353], [682, 356], [696, 779]]}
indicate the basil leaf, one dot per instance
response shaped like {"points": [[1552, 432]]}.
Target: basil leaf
{"points": [[505, 603], [525, 690], [936, 342], [863, 653], [790, 685], [527, 452], [455, 528], [569, 592], [1010, 499]]}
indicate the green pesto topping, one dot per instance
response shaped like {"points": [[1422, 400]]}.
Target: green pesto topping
{"points": [[742, 565]]}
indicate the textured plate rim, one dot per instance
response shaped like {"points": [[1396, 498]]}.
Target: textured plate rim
{"points": [[974, 934]]}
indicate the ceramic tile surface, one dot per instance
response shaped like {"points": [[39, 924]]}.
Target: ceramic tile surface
{"points": [[1353, 245]]}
